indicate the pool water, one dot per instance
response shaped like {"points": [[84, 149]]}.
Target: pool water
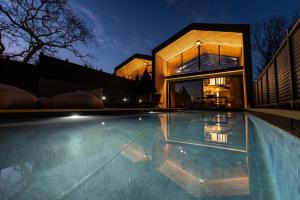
{"points": [[178, 155]]}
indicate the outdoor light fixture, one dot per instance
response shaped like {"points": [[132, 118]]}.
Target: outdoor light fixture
{"points": [[104, 98], [74, 116], [198, 43], [140, 100], [125, 99]]}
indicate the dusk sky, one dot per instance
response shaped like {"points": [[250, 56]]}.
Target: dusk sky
{"points": [[123, 28]]}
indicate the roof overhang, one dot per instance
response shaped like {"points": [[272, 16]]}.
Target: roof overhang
{"points": [[132, 58], [221, 34]]}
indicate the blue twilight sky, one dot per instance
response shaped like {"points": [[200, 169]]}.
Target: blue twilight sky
{"points": [[125, 27]]}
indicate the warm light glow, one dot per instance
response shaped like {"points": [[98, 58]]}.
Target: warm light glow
{"points": [[217, 81], [198, 43], [104, 98], [218, 137], [140, 101], [135, 67], [125, 99], [75, 116], [200, 187]]}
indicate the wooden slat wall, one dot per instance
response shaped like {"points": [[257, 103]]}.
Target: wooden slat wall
{"points": [[295, 41], [260, 102], [272, 83], [279, 83], [265, 90], [255, 95], [283, 75]]}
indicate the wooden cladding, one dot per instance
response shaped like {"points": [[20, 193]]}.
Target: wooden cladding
{"points": [[283, 75], [272, 84], [295, 41], [279, 83]]}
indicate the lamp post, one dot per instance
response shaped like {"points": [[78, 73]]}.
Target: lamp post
{"points": [[198, 43]]}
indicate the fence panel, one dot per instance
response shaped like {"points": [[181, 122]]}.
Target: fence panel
{"points": [[260, 99], [272, 84], [283, 68], [295, 40], [279, 83], [265, 90]]}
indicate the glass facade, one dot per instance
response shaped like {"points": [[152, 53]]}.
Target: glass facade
{"points": [[204, 58], [215, 92]]}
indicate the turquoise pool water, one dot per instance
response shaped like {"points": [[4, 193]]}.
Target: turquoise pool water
{"points": [[179, 155]]}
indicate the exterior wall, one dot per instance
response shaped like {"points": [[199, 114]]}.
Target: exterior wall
{"points": [[53, 76], [160, 66], [160, 82]]}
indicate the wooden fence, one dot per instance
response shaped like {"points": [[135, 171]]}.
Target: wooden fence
{"points": [[279, 83]]}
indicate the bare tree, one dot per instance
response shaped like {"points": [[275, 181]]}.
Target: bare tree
{"points": [[267, 36], [43, 26], [3, 27]]}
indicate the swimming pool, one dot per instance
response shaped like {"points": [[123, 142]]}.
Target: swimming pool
{"points": [[177, 155]]}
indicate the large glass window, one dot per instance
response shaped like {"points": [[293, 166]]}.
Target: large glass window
{"points": [[215, 92], [190, 60], [223, 92], [209, 58], [185, 94], [212, 57], [174, 65], [230, 56]]}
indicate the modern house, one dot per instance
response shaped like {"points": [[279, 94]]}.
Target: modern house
{"points": [[134, 66], [205, 65]]}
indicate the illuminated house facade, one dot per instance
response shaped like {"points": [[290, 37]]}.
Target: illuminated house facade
{"points": [[134, 66], [205, 65]]}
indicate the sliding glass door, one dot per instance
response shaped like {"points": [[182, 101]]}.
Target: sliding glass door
{"points": [[215, 92]]}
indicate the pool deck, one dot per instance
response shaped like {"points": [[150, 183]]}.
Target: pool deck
{"points": [[291, 114], [288, 120]]}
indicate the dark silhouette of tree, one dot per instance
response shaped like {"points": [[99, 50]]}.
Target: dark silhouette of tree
{"points": [[3, 27], [137, 83], [147, 84], [43, 26], [267, 36]]}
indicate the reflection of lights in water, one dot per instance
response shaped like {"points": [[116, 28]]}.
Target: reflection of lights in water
{"points": [[218, 137], [74, 116], [102, 123], [140, 118], [201, 180]]}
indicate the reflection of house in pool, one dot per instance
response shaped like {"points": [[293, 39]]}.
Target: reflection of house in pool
{"points": [[224, 173], [225, 170], [135, 155], [207, 129]]}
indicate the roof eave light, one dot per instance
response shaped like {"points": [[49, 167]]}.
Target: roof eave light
{"points": [[198, 43]]}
